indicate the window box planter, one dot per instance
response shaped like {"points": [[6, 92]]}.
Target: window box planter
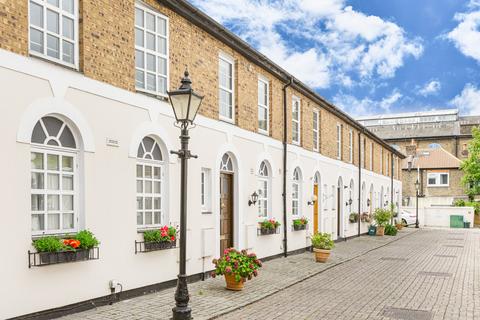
{"points": [[266, 231], [297, 227], [39, 259], [142, 246]]}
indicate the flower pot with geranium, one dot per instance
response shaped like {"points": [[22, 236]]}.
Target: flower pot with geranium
{"points": [[237, 267], [300, 224], [269, 226], [353, 217], [322, 243], [159, 239]]}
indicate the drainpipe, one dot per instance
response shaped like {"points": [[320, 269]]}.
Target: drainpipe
{"points": [[359, 179], [391, 184], [456, 146], [284, 194]]}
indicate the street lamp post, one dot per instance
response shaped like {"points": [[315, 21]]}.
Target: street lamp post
{"points": [[185, 103], [417, 188]]}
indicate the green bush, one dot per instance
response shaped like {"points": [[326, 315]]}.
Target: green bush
{"points": [[390, 230], [459, 203], [322, 241], [87, 239], [164, 234], [382, 216], [48, 244], [463, 203]]}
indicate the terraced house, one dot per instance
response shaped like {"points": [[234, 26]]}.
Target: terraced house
{"points": [[86, 130]]}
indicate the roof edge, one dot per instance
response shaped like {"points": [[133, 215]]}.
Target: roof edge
{"points": [[205, 22]]}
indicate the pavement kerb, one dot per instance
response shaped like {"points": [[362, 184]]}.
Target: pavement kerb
{"points": [[311, 275]]}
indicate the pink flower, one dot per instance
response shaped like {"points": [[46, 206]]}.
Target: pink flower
{"points": [[228, 270], [225, 251], [236, 265], [255, 273]]}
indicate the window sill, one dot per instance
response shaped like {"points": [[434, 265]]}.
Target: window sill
{"points": [[152, 94], [227, 120], [265, 133], [59, 235], [55, 61]]}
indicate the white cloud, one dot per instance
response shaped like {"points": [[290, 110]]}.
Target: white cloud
{"points": [[466, 36], [366, 106], [319, 42], [468, 101], [430, 88]]}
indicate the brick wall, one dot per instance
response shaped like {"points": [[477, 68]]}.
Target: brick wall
{"points": [[455, 188], [106, 52]]}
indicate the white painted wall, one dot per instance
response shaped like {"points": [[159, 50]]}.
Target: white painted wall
{"points": [[32, 88], [440, 216]]}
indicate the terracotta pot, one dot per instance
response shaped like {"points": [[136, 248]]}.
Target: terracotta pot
{"points": [[321, 255], [399, 226], [380, 230], [232, 284]]}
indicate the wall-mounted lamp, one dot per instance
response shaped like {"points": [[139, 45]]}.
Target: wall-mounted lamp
{"points": [[349, 202], [253, 198], [345, 187], [312, 201], [368, 202], [386, 203]]}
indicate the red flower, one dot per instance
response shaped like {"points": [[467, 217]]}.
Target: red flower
{"points": [[172, 238]]}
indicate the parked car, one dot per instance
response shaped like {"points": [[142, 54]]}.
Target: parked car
{"points": [[407, 217]]}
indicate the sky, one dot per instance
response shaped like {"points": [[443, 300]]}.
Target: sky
{"points": [[368, 57]]}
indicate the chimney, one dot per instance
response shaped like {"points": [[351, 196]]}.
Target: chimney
{"points": [[411, 150]]}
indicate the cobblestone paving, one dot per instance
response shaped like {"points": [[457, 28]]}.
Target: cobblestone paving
{"points": [[360, 281], [440, 279]]}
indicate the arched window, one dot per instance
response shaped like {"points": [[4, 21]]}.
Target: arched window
{"points": [[263, 190], [434, 146], [54, 178], [227, 164], [150, 184], [296, 192]]}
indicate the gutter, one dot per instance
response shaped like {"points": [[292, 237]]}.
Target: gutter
{"points": [[285, 144]]}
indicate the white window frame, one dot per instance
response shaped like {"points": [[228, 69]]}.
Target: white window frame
{"points": [[316, 130], [437, 176], [226, 58], [339, 141], [262, 79], [155, 53], [297, 121], [75, 17], [58, 151], [297, 184], [205, 190], [350, 145], [264, 179]]}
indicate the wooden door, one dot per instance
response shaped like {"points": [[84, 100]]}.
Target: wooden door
{"points": [[315, 208], [226, 211]]}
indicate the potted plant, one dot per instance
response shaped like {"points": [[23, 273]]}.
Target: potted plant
{"points": [[53, 249], [300, 224], [398, 224], [159, 239], [381, 216], [365, 217], [269, 226], [236, 267], [322, 243], [353, 217], [390, 230]]}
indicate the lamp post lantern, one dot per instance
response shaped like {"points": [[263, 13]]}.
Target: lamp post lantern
{"points": [[417, 188], [185, 103]]}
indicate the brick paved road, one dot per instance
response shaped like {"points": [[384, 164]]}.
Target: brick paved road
{"points": [[364, 279], [433, 274]]}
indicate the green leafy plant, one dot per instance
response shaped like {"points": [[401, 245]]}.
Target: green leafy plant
{"points": [[269, 224], [471, 166], [300, 222], [463, 203], [49, 244], [459, 203], [164, 234], [322, 241], [353, 217], [390, 230], [382, 216], [87, 239], [241, 264]]}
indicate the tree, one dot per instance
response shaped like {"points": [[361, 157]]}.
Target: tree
{"points": [[471, 166]]}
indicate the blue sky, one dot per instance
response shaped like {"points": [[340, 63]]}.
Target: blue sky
{"points": [[368, 57]]}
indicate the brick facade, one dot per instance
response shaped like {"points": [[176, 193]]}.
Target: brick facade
{"points": [[106, 53]]}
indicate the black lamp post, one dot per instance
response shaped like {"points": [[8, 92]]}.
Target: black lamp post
{"points": [[185, 103], [417, 188]]}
